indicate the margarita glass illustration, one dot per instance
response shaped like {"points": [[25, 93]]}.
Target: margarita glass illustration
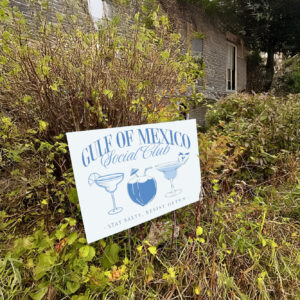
{"points": [[110, 183], [169, 170]]}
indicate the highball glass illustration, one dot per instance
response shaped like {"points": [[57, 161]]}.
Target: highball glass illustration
{"points": [[110, 183]]}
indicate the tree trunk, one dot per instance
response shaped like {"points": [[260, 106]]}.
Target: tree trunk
{"points": [[269, 69]]}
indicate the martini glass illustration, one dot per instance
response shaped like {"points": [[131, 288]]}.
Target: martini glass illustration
{"points": [[170, 172], [110, 183]]}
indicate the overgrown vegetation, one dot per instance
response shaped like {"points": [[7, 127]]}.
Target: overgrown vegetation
{"points": [[287, 80], [240, 241], [66, 77]]}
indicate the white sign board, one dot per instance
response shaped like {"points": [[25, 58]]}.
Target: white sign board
{"points": [[129, 175]]}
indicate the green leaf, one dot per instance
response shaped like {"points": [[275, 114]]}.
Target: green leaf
{"points": [[273, 244], [152, 250], [82, 240], [45, 70], [199, 231], [110, 256], [108, 93], [84, 251], [137, 17], [60, 17], [72, 195], [45, 202], [43, 125], [216, 187], [140, 86], [139, 248], [54, 87], [172, 273], [39, 295], [197, 291], [6, 35], [91, 254], [102, 243], [4, 3], [27, 99], [45, 262], [72, 286], [72, 238], [165, 54], [61, 231], [71, 221], [87, 252]]}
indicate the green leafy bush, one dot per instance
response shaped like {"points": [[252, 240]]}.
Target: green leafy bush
{"points": [[265, 128], [291, 78], [66, 76], [232, 244], [287, 78], [74, 78], [60, 77]]}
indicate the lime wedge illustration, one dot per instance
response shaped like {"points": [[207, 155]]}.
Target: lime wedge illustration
{"points": [[93, 177]]}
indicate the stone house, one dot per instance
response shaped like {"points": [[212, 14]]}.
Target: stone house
{"points": [[223, 53]]}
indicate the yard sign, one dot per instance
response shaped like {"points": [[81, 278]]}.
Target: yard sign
{"points": [[129, 175]]}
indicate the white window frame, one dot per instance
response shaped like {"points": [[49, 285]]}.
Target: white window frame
{"points": [[99, 11], [236, 66], [96, 9]]}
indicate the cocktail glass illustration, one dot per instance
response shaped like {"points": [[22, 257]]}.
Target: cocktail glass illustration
{"points": [[170, 172], [110, 183]]}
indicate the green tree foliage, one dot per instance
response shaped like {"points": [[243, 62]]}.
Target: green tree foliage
{"points": [[287, 80]]}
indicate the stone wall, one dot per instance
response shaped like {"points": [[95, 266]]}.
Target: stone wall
{"points": [[30, 8], [242, 54], [199, 113]]}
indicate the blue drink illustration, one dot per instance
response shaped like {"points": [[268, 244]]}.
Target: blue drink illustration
{"points": [[110, 184], [169, 170], [141, 189]]}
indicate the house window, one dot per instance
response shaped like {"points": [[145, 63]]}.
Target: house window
{"points": [[231, 68], [99, 10]]}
